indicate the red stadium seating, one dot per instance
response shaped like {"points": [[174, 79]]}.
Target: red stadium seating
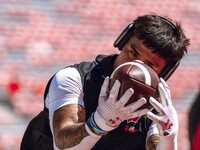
{"points": [[38, 38]]}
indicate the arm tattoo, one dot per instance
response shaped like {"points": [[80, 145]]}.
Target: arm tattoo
{"points": [[73, 134], [69, 126], [152, 142]]}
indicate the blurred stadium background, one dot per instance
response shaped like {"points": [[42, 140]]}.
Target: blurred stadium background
{"points": [[39, 37]]}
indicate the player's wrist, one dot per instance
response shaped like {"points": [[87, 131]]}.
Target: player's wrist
{"points": [[168, 135], [89, 131], [93, 127], [168, 142], [101, 122]]}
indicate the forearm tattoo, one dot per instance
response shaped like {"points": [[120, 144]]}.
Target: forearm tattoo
{"points": [[152, 142], [73, 135], [71, 129]]}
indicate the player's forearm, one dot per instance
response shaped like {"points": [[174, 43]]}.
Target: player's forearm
{"points": [[70, 135], [69, 126], [76, 137], [152, 142], [156, 142]]}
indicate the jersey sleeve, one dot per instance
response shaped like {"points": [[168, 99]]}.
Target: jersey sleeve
{"points": [[66, 88], [152, 130]]}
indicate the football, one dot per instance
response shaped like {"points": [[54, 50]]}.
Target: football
{"points": [[138, 76]]}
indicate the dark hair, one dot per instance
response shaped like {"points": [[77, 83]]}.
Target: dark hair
{"points": [[166, 39]]}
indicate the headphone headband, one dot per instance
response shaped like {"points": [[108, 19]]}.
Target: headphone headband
{"points": [[126, 33], [169, 22]]}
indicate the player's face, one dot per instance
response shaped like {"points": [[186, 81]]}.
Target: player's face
{"points": [[134, 49]]}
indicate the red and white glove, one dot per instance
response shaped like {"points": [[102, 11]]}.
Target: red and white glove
{"points": [[166, 120], [111, 111]]}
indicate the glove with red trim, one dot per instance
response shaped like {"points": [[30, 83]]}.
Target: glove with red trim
{"points": [[167, 119], [111, 111]]}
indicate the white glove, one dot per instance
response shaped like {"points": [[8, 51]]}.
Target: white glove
{"points": [[111, 111], [167, 119]]}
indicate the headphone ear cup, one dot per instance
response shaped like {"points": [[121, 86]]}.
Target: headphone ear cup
{"points": [[124, 40], [168, 70], [124, 36]]}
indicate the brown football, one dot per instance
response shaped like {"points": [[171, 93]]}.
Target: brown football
{"points": [[138, 76]]}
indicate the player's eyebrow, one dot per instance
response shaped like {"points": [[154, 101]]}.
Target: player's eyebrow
{"points": [[137, 53], [133, 48], [150, 63]]}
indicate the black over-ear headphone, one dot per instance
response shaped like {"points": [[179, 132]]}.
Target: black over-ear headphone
{"points": [[121, 40]]}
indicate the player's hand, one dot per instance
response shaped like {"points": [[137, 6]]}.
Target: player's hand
{"points": [[166, 120], [111, 111]]}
